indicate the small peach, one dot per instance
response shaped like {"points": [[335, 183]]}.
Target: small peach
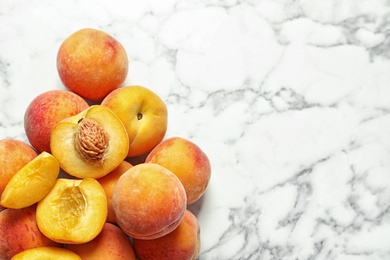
{"points": [[15, 154], [92, 63], [182, 243], [108, 183], [149, 201], [19, 232], [111, 243], [187, 161], [45, 111]]}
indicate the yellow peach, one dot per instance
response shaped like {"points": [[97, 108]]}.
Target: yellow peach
{"points": [[108, 183], [19, 232], [144, 115], [111, 243], [182, 243], [39, 176], [187, 161], [47, 253], [73, 212], [45, 111], [92, 63], [149, 201], [15, 154], [91, 143]]}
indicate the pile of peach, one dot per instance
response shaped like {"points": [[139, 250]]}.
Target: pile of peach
{"points": [[73, 191]]}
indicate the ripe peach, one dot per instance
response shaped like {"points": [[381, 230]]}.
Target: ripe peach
{"points": [[111, 243], [108, 183], [39, 175], [182, 243], [14, 155], [149, 201], [73, 212], [91, 143], [47, 252], [92, 63], [187, 161], [45, 111], [19, 232], [144, 115]]}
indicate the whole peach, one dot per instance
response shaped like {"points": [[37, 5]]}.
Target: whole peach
{"points": [[92, 63], [19, 232], [149, 201], [111, 243], [187, 161], [15, 154], [45, 111], [182, 243]]}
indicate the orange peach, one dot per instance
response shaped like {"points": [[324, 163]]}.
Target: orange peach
{"points": [[15, 154], [92, 63], [149, 201], [73, 212], [19, 232], [111, 243], [144, 115], [47, 253], [182, 243], [187, 161], [45, 111], [108, 183]]}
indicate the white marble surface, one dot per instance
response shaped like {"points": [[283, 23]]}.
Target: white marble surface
{"points": [[289, 98]]}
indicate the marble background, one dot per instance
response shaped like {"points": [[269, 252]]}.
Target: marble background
{"points": [[290, 99]]}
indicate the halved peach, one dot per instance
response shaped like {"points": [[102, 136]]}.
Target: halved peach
{"points": [[31, 183], [90, 144], [47, 253], [73, 212]]}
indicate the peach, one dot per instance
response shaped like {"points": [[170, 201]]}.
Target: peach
{"points": [[182, 243], [39, 175], [73, 212], [108, 183], [91, 143], [15, 154], [19, 232], [187, 161], [144, 115], [46, 252], [45, 111], [111, 243], [149, 201], [92, 63]]}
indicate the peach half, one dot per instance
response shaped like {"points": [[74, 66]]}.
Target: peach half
{"points": [[47, 253], [15, 154], [19, 232], [108, 183], [111, 243], [92, 63], [187, 161], [144, 115], [91, 143], [149, 201], [31, 183], [73, 212], [182, 243], [45, 111]]}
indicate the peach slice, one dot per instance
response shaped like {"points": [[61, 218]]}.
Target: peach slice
{"points": [[48, 253], [73, 212], [31, 183], [90, 144], [144, 115], [149, 201]]}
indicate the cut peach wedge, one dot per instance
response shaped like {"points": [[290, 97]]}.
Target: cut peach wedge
{"points": [[46, 252], [31, 183], [73, 212], [90, 144]]}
